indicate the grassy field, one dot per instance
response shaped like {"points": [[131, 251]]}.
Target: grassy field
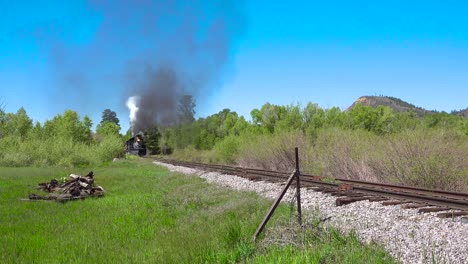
{"points": [[152, 216]]}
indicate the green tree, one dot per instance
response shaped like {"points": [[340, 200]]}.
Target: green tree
{"points": [[69, 126], [441, 119], [378, 120], [314, 117], [240, 126], [334, 117], [87, 124], [16, 125], [256, 117], [23, 123], [107, 129], [110, 116], [152, 138], [268, 116], [291, 119], [37, 132], [405, 120]]}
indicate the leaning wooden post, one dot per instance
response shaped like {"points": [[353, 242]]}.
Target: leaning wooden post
{"points": [[298, 189], [294, 176], [273, 206]]}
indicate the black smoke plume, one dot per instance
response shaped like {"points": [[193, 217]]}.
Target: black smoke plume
{"points": [[155, 50], [191, 41], [157, 99]]}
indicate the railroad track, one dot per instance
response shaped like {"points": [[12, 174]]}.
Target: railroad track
{"points": [[348, 191]]}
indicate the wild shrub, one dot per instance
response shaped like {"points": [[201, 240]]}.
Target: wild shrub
{"points": [[57, 151], [427, 158], [15, 159], [109, 148], [346, 153], [227, 150], [274, 152], [191, 154], [421, 157]]}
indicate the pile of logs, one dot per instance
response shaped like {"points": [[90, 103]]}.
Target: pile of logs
{"points": [[75, 187]]}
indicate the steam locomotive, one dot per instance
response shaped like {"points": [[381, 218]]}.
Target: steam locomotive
{"points": [[136, 146]]}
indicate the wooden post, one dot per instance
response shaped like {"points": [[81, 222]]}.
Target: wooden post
{"points": [[274, 205], [294, 176], [298, 189]]}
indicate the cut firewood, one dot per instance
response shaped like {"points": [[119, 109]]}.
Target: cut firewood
{"points": [[75, 188]]}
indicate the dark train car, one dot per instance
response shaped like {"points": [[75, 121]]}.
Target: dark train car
{"points": [[136, 146]]}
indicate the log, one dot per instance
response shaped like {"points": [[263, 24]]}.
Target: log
{"points": [[77, 187], [85, 185]]}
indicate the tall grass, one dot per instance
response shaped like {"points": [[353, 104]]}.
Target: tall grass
{"points": [[57, 151], [426, 158], [149, 216], [431, 159], [191, 154], [347, 153], [288, 243], [275, 151]]}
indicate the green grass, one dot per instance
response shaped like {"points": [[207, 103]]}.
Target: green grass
{"points": [[151, 216], [317, 245]]}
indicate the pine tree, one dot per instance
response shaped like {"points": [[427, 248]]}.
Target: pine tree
{"points": [[110, 116]]}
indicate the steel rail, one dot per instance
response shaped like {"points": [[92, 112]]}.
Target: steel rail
{"points": [[429, 197]]}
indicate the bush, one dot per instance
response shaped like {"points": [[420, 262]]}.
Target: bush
{"points": [[57, 151], [274, 152], [227, 150], [110, 147], [346, 153], [15, 159], [427, 158], [191, 154], [431, 159]]}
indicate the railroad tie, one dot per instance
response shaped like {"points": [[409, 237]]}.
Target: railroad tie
{"points": [[348, 200], [413, 205], [452, 214], [394, 202], [377, 199], [432, 209]]}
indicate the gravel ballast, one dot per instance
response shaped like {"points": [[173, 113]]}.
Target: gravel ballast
{"points": [[407, 235]]}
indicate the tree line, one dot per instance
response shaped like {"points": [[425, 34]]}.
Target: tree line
{"points": [[68, 126], [205, 132], [66, 139]]}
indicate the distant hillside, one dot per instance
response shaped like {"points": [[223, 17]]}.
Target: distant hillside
{"points": [[463, 112], [396, 104], [399, 105]]}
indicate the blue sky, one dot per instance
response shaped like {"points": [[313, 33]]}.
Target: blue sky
{"points": [[326, 52]]}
